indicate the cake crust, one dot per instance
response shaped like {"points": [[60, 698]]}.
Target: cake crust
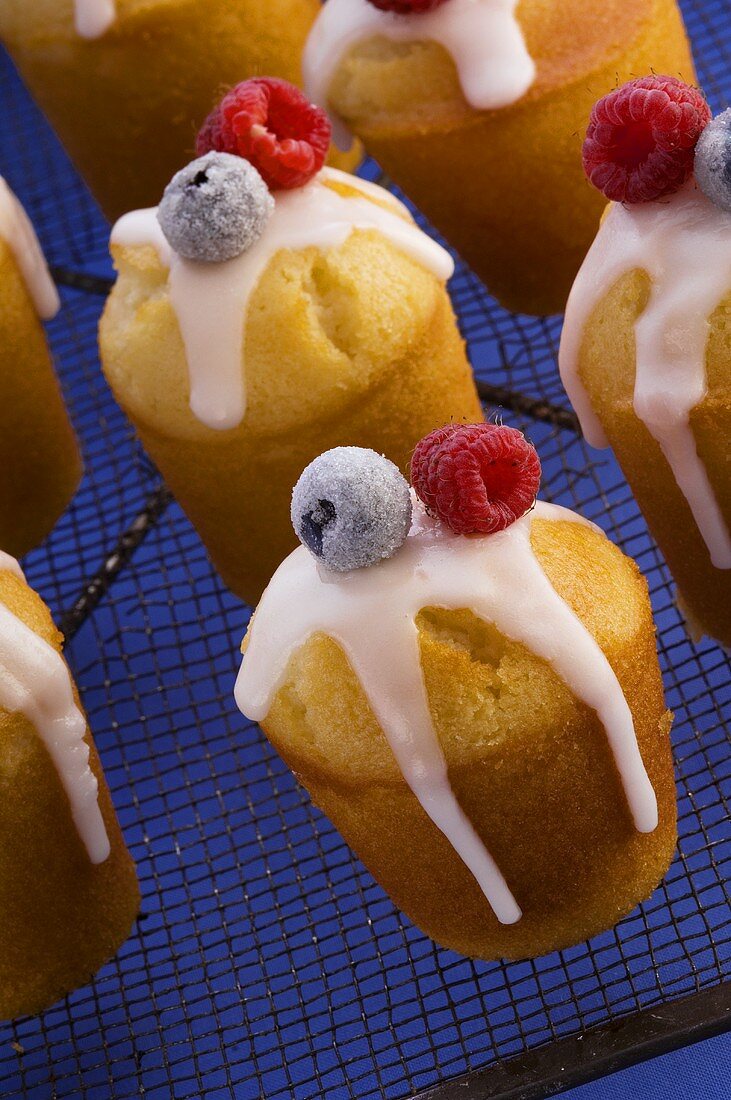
{"points": [[61, 917], [40, 465]]}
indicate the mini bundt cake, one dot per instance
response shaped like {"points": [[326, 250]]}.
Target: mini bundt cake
{"points": [[477, 704], [40, 466], [477, 109], [324, 320], [646, 347], [68, 889]]}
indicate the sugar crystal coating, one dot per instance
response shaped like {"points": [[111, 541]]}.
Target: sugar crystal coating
{"points": [[351, 508], [215, 208], [713, 161]]}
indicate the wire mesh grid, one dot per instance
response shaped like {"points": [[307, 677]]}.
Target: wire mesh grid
{"points": [[266, 961]]}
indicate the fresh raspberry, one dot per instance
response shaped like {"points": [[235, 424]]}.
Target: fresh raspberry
{"points": [[477, 478], [407, 7], [272, 124], [642, 137]]}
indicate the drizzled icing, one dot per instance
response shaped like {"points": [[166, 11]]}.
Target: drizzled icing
{"points": [[8, 564], [35, 682], [371, 613], [94, 17], [684, 245], [482, 36], [19, 235], [211, 300]]}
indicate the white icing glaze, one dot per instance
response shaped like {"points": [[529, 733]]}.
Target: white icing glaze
{"points": [[19, 235], [94, 17], [371, 613], [684, 244], [211, 300], [8, 564], [482, 36], [35, 682]]}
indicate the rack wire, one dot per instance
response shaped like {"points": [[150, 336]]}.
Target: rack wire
{"points": [[267, 962]]}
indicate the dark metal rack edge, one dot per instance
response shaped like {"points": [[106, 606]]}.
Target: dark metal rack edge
{"points": [[598, 1052]]}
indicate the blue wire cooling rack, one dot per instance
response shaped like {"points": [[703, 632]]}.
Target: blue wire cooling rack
{"points": [[266, 962]]}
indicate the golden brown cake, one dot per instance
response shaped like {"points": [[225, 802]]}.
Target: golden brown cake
{"points": [[347, 340], [521, 755], [646, 360], [67, 898], [504, 185], [608, 373], [40, 466], [127, 103]]}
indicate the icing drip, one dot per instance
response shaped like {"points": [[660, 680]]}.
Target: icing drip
{"points": [[482, 36], [35, 682], [10, 565], [211, 300], [371, 614], [684, 244], [19, 235], [94, 17]]}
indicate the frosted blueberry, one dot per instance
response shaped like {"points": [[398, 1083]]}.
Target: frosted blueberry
{"points": [[351, 508], [215, 208], [713, 161]]}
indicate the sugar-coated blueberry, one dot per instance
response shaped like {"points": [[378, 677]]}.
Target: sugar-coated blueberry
{"points": [[351, 508], [215, 208], [713, 161]]}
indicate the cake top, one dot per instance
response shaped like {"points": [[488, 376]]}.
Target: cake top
{"points": [[16, 229], [482, 36], [258, 187], [375, 554]]}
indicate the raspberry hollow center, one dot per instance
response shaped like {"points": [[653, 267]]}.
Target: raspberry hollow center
{"points": [[633, 145]]}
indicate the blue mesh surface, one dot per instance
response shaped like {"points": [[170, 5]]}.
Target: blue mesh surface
{"points": [[266, 962]]}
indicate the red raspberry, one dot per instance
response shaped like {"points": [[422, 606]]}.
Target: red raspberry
{"points": [[407, 7], [274, 126], [641, 138], [477, 478]]}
